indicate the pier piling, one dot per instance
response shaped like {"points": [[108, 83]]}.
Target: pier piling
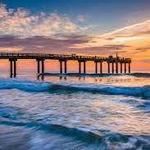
{"points": [[116, 67], [40, 67], [121, 67], [101, 67], [61, 66], [13, 68], [79, 67], [112, 67], [65, 66], [129, 67], [108, 67], [84, 63], [95, 67]]}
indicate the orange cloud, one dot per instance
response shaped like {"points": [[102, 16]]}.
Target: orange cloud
{"points": [[10, 49], [134, 37]]}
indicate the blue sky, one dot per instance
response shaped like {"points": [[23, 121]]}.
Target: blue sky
{"points": [[104, 15]]}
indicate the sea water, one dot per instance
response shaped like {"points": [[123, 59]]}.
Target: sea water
{"points": [[86, 113]]}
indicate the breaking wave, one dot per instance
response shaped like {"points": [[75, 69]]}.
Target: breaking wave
{"points": [[36, 86], [103, 139]]}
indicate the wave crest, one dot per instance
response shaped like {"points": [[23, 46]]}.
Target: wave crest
{"points": [[35, 86], [105, 139]]}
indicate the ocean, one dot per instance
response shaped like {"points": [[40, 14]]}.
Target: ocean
{"points": [[72, 113]]}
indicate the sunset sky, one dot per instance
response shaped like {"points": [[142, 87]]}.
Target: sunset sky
{"points": [[95, 27]]}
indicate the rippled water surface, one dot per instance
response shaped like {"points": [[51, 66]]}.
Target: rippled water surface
{"points": [[75, 113]]}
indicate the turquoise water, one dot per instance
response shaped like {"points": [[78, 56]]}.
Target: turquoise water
{"points": [[93, 113]]}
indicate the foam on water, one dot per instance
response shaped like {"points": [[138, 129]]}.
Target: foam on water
{"points": [[104, 139], [30, 86], [35, 86]]}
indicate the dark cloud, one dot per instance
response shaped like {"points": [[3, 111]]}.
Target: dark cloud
{"points": [[143, 49], [42, 44], [101, 50]]}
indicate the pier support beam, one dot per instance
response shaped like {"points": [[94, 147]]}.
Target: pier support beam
{"points": [[43, 67], [95, 67], [84, 66], [80, 66], [112, 67], [40, 67], [121, 67], [108, 67], [125, 68], [101, 67], [13, 68], [129, 67], [117, 67], [63, 66]]}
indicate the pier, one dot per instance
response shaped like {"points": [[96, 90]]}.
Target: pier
{"points": [[116, 65]]}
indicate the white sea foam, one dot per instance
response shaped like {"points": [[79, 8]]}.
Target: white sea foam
{"points": [[36, 86]]}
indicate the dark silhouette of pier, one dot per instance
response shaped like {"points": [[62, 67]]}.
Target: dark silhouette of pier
{"points": [[116, 65]]}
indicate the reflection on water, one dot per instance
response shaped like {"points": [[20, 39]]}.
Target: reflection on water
{"points": [[110, 80]]}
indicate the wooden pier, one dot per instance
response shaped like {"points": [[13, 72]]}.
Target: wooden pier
{"points": [[116, 65]]}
